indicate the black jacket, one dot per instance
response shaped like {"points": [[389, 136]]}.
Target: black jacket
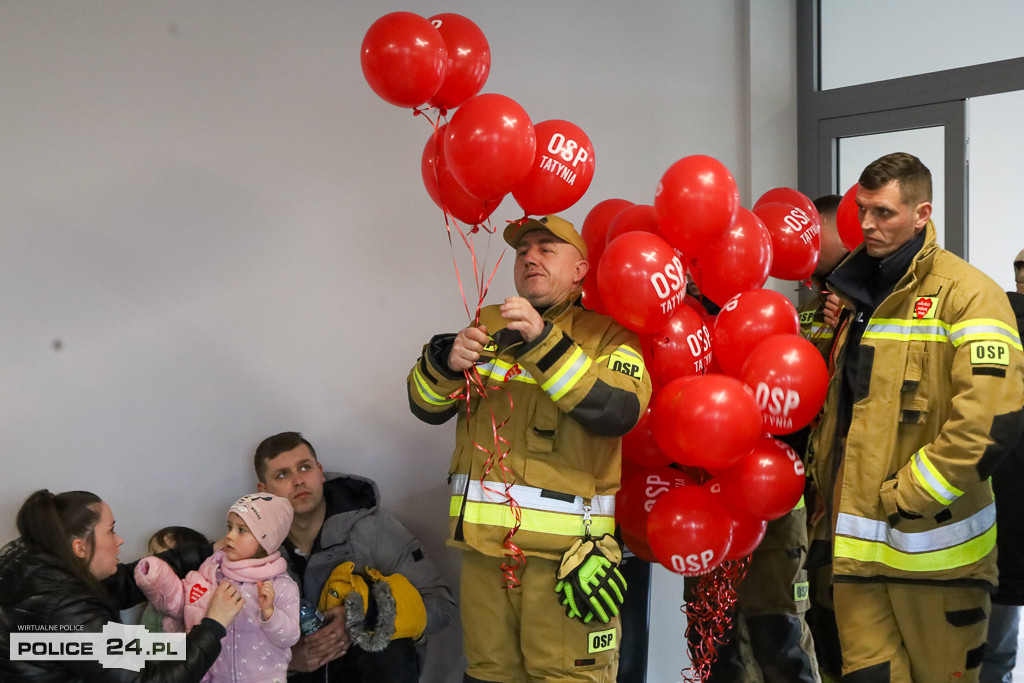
{"points": [[1007, 484], [36, 591]]}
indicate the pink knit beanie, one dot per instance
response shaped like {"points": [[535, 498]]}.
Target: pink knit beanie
{"points": [[268, 517]]}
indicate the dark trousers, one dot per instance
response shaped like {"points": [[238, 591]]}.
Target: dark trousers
{"points": [[399, 662]]}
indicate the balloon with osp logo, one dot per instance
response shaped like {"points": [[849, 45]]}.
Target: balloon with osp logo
{"points": [[767, 483], [563, 167], [404, 59], [689, 530], [796, 240], [469, 60], [639, 492], [787, 195], [641, 280], [789, 378], [445, 190], [490, 145], [681, 347]]}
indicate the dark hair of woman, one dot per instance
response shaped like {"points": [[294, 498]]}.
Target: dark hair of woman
{"points": [[52, 522]]}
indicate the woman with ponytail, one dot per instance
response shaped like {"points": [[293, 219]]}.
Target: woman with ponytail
{"points": [[62, 573]]}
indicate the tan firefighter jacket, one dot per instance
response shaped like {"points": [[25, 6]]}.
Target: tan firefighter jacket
{"points": [[909, 491], [549, 425]]}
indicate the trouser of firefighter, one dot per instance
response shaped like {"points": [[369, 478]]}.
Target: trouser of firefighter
{"points": [[522, 634], [771, 643], [821, 619], [911, 633]]}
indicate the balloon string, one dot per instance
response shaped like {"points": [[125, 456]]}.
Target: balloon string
{"points": [[474, 382], [709, 616]]}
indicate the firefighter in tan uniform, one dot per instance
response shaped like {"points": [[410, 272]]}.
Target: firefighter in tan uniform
{"points": [[925, 401], [562, 385]]}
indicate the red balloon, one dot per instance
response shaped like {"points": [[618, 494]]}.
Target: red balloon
{"points": [[746, 320], [640, 490], [591, 297], [563, 167], [682, 347], [689, 530], [490, 145], [747, 534], [767, 483], [638, 445], [789, 378], [796, 240], [469, 60], [709, 421], [641, 280], [404, 59], [739, 261], [848, 219], [445, 190], [595, 226], [639, 217], [638, 547], [697, 201], [786, 195]]}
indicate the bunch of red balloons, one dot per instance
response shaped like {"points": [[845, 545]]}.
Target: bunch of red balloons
{"points": [[491, 147], [705, 469]]}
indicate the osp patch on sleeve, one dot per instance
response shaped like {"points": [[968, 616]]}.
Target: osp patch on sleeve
{"points": [[599, 641], [990, 353], [627, 361]]}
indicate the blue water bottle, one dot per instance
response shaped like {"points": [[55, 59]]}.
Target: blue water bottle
{"points": [[310, 618]]}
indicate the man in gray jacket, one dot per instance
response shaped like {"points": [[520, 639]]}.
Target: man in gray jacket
{"points": [[338, 520]]}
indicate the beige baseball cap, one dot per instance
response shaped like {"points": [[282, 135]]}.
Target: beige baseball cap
{"points": [[559, 227]]}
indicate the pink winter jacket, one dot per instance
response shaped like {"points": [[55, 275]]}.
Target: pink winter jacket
{"points": [[253, 650]]}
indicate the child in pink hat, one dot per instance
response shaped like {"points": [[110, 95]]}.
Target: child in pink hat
{"points": [[257, 647]]}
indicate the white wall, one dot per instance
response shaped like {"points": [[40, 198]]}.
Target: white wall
{"points": [[211, 230]]}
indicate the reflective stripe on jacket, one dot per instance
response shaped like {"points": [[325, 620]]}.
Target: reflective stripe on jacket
{"points": [[941, 404], [550, 424]]}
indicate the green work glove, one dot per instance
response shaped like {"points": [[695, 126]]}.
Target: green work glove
{"points": [[590, 581]]}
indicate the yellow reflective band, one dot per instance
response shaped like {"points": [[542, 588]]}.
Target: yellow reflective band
{"points": [[540, 521], [933, 482], [985, 329], [428, 394], [599, 641], [500, 371], [898, 329], [800, 504], [568, 375], [961, 555]]}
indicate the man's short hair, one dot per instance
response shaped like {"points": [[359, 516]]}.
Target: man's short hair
{"points": [[828, 204], [914, 177], [273, 446]]}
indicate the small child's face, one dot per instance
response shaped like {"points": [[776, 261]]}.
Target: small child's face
{"points": [[239, 543]]}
